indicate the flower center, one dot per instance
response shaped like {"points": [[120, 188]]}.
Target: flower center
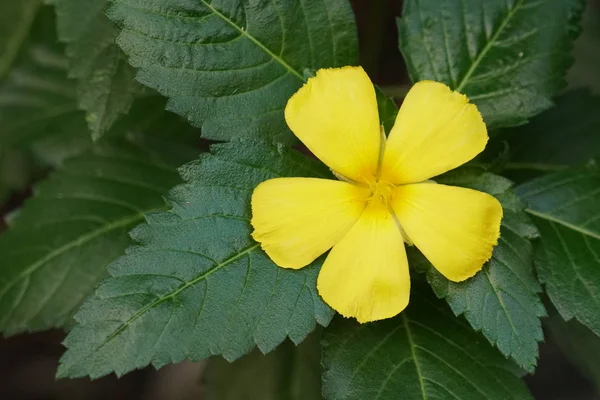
{"points": [[382, 191]]}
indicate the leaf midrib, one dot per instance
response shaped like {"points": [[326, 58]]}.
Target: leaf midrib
{"points": [[244, 32], [80, 241], [566, 224], [183, 287], [465, 80]]}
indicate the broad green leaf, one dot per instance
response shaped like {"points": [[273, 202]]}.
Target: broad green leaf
{"points": [[196, 284], [38, 110], [424, 353], [580, 345], [16, 18], [64, 237], [105, 81], [288, 373], [565, 135], [502, 300], [229, 66], [508, 56], [566, 209]]}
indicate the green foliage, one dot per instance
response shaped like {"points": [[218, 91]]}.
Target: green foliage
{"points": [[424, 353], [289, 373], [38, 110], [566, 208], [192, 283], [16, 18], [508, 57], [197, 284], [62, 240], [502, 300], [105, 81], [228, 66], [565, 135]]}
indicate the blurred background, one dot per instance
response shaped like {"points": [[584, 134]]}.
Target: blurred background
{"points": [[28, 362]]}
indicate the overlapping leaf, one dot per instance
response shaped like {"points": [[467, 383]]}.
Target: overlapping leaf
{"points": [[424, 353], [508, 57], [502, 300], [566, 208], [229, 66], [197, 285], [288, 373], [62, 240], [106, 86]]}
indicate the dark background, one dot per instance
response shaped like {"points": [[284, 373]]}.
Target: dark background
{"points": [[28, 362]]}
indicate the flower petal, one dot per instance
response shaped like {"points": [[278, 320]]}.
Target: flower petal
{"points": [[436, 130], [455, 228], [297, 219], [365, 275], [335, 115]]}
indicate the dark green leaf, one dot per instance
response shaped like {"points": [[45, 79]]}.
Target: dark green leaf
{"points": [[16, 18], [106, 86], [288, 373], [579, 344], [230, 66], [197, 284], [508, 56], [38, 110], [566, 208], [62, 240], [584, 72], [424, 353], [502, 300], [565, 135]]}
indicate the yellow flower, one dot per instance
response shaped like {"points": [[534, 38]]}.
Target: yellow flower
{"points": [[384, 196]]}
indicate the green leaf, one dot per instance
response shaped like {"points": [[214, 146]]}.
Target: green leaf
{"points": [[288, 373], [230, 66], [565, 135], [16, 18], [38, 110], [106, 86], [580, 345], [197, 284], [502, 301], [508, 56], [61, 241], [566, 209], [424, 353]]}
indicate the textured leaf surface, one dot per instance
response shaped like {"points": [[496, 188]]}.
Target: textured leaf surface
{"points": [[566, 208], [502, 300], [508, 56], [16, 18], [565, 135], [288, 373], [197, 285], [38, 110], [424, 353], [62, 240], [229, 66], [106, 86]]}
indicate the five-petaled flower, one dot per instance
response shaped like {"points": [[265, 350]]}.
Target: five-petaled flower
{"points": [[384, 196]]}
